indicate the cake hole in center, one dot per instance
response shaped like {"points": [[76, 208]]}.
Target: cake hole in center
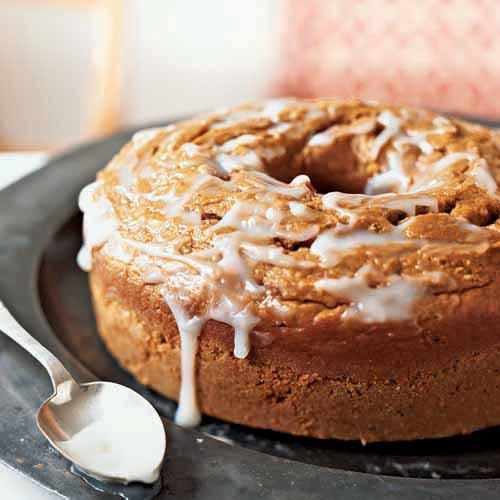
{"points": [[336, 169]]}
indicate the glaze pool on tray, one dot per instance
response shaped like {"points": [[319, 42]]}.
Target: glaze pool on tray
{"points": [[323, 268]]}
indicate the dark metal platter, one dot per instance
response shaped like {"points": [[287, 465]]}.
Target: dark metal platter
{"points": [[39, 237]]}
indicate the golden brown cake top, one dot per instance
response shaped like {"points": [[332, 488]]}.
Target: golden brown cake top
{"points": [[355, 208]]}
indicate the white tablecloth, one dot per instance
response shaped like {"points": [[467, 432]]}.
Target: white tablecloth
{"points": [[14, 486]]}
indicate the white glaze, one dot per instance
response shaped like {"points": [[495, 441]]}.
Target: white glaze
{"points": [[190, 149], [174, 204], [242, 140], [230, 163], [330, 135], [268, 254], [332, 200], [250, 218], [301, 211], [406, 203], [391, 302], [242, 320], [448, 160], [143, 137], [391, 124], [274, 107], [331, 244], [301, 180], [483, 178], [279, 129], [436, 174], [99, 223], [394, 179], [419, 138], [296, 189], [271, 110]]}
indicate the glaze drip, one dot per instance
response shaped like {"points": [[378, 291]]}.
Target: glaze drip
{"points": [[188, 413], [390, 302]]}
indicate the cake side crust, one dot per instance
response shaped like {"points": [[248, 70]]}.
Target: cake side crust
{"points": [[267, 392]]}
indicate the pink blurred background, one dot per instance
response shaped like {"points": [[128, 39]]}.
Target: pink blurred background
{"points": [[442, 54], [76, 69]]}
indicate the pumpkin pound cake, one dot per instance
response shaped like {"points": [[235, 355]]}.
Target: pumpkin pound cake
{"points": [[319, 267]]}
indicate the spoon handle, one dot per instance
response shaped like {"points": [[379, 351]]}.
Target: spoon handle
{"points": [[10, 326]]}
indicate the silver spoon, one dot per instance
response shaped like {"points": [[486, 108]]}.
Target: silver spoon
{"points": [[107, 430]]}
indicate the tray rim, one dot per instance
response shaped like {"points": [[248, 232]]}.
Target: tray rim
{"points": [[32, 210]]}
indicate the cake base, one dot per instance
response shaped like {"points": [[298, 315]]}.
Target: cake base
{"points": [[268, 390]]}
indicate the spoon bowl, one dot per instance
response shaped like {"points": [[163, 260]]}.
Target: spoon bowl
{"points": [[108, 430]]}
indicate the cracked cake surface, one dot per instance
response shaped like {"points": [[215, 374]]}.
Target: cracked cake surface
{"points": [[305, 247]]}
